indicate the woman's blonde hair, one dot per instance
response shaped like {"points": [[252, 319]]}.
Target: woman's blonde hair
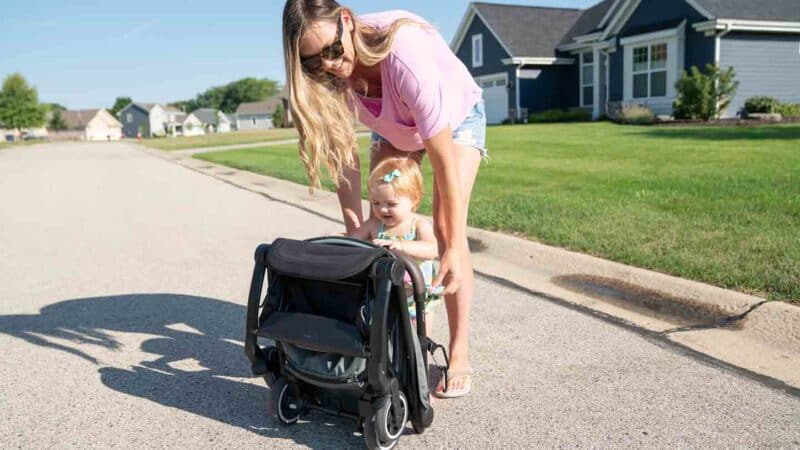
{"points": [[322, 104], [403, 174]]}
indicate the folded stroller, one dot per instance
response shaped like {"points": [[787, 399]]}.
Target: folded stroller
{"points": [[337, 336]]}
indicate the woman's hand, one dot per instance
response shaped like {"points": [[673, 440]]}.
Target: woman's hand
{"points": [[450, 270]]}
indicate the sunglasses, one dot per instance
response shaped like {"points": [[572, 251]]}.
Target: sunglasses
{"points": [[313, 64]]}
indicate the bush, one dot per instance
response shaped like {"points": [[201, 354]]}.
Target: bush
{"points": [[277, 116], [704, 95], [788, 110], [636, 114], [560, 115], [761, 104]]}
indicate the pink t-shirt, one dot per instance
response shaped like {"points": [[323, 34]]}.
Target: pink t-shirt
{"points": [[425, 86]]}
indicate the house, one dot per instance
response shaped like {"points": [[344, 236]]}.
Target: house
{"points": [[149, 119], [212, 120], [257, 115], [627, 51], [92, 125]]}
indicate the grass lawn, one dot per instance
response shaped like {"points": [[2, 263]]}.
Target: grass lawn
{"points": [[719, 205], [220, 139]]}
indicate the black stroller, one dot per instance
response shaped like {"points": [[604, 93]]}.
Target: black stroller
{"points": [[342, 339]]}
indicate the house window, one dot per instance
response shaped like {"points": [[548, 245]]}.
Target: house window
{"points": [[587, 79], [129, 117], [650, 71], [253, 120], [477, 50]]}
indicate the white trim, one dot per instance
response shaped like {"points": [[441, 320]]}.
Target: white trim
{"points": [[654, 36], [469, 17], [584, 38], [477, 57], [609, 13], [581, 85], [533, 61], [620, 18], [580, 48], [492, 76], [516, 92], [748, 25], [596, 83]]}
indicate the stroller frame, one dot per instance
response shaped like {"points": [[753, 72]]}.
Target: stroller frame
{"points": [[383, 407]]}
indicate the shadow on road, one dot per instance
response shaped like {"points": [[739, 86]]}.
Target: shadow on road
{"points": [[206, 331]]}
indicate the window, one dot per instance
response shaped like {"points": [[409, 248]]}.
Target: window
{"points": [[129, 117], [253, 120], [477, 50], [587, 79], [650, 71]]}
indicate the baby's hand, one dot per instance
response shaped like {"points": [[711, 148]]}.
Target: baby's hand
{"points": [[389, 243]]}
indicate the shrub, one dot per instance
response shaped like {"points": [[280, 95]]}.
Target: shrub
{"points": [[703, 95], [277, 116], [560, 115], [636, 114], [761, 104], [789, 110]]}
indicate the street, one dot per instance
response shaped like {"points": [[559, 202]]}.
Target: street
{"points": [[123, 283]]}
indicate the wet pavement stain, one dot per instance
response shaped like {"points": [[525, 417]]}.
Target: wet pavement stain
{"points": [[682, 311]]}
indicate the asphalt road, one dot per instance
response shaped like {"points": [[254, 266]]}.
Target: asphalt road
{"points": [[123, 280]]}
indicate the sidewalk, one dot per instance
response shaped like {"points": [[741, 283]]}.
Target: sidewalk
{"points": [[742, 330]]}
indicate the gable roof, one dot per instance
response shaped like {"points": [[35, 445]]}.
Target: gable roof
{"points": [[206, 115], [76, 120], [524, 31], [590, 20], [267, 106], [777, 10]]}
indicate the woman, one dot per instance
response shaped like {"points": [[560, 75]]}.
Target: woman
{"points": [[394, 73]]}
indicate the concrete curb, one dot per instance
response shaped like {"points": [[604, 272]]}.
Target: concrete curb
{"points": [[739, 329]]}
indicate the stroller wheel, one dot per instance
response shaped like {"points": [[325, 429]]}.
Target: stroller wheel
{"points": [[390, 421], [283, 404], [371, 438]]}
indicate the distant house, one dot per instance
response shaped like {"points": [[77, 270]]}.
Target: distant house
{"points": [[212, 120], [92, 125], [257, 115], [149, 119], [232, 119], [626, 51], [192, 126]]}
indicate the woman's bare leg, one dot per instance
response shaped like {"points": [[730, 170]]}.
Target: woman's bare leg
{"points": [[458, 305]]}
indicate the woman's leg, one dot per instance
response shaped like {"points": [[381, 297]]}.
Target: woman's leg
{"points": [[458, 305]]}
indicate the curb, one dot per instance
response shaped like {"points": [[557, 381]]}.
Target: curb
{"points": [[736, 328]]}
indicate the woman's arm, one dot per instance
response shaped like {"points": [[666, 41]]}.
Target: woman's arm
{"points": [[453, 231], [350, 196], [366, 231]]}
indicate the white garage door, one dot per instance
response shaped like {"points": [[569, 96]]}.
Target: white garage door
{"points": [[495, 94]]}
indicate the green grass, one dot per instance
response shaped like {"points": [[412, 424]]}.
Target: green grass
{"points": [[719, 205], [220, 139]]}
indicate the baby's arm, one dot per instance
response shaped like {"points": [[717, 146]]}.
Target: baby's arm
{"points": [[425, 247], [367, 230]]}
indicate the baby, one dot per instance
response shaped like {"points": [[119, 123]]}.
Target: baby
{"points": [[394, 192]]}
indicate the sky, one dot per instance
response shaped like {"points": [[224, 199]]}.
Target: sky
{"points": [[84, 54]]}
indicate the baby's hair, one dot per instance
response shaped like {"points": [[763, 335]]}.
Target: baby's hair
{"points": [[408, 184]]}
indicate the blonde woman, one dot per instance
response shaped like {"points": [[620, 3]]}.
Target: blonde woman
{"points": [[393, 72]]}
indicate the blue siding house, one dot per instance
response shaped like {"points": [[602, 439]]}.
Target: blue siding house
{"points": [[626, 51]]}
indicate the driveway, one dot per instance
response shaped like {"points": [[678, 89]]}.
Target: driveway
{"points": [[123, 280]]}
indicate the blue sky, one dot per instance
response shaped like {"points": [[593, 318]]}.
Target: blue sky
{"points": [[85, 53]]}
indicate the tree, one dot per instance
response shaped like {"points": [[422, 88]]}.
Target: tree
{"points": [[277, 116], [704, 95], [227, 98], [57, 122], [120, 103], [19, 104]]}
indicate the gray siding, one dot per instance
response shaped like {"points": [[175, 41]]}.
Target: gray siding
{"points": [[765, 64], [262, 122], [140, 119]]}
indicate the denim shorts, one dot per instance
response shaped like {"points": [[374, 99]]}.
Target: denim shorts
{"points": [[471, 132]]}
